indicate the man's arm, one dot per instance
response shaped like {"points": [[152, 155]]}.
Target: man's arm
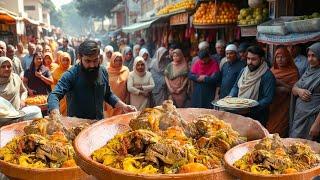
{"points": [[64, 85], [235, 89], [213, 79], [193, 77], [268, 90]]}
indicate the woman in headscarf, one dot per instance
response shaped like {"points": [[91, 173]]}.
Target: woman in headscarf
{"points": [[286, 74], [48, 62], [305, 105], [160, 91], [38, 78], [128, 58], [11, 87], [58, 56], [140, 84], [108, 50], [144, 53], [205, 76], [118, 77], [176, 77], [136, 50], [64, 65]]}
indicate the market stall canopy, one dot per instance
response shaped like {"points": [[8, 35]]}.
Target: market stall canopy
{"points": [[45, 27], [7, 16], [138, 26], [289, 39], [31, 21], [114, 33]]}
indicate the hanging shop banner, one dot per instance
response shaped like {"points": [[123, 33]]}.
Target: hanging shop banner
{"points": [[248, 31], [179, 19]]}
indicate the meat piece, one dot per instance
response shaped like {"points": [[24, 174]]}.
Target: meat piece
{"points": [[158, 118], [202, 142], [53, 151], [270, 143], [137, 141], [170, 116], [168, 152], [276, 163], [43, 127], [148, 119], [259, 156], [191, 131]]}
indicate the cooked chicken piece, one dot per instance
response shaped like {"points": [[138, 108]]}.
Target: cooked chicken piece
{"points": [[276, 163], [148, 119], [158, 118], [167, 151], [270, 143], [259, 156], [137, 141]]}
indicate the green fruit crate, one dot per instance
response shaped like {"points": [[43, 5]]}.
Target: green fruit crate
{"points": [[307, 25]]}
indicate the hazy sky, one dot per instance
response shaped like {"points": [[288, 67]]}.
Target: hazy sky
{"points": [[59, 3]]}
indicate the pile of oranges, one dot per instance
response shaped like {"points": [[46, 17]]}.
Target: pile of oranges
{"points": [[37, 100], [220, 13], [181, 5]]}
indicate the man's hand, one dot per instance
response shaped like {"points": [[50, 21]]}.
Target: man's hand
{"points": [[55, 115], [126, 108], [129, 108]]}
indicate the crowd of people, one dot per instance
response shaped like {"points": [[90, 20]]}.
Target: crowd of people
{"points": [[288, 91]]}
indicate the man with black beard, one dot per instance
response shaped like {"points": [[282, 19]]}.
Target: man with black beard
{"points": [[86, 87], [256, 82]]}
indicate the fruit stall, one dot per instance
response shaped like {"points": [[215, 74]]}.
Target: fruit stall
{"points": [[179, 29], [8, 21], [292, 23]]}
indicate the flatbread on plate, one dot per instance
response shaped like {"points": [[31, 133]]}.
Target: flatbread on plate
{"points": [[236, 102]]}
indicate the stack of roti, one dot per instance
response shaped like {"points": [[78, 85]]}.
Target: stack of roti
{"points": [[235, 102]]}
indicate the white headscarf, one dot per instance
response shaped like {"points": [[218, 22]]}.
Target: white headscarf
{"points": [[106, 60], [136, 60], [12, 87], [203, 45], [148, 61], [135, 47]]}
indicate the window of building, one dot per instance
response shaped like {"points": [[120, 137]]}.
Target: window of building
{"points": [[29, 8]]}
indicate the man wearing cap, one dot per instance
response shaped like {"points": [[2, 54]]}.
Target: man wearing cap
{"points": [[86, 87], [204, 45], [256, 82], [230, 70]]}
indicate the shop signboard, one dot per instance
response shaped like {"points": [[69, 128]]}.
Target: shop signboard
{"points": [[248, 31], [179, 19]]}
